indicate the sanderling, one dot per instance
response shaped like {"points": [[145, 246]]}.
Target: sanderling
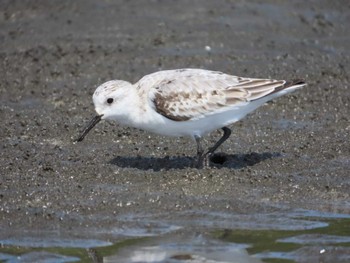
{"points": [[185, 102]]}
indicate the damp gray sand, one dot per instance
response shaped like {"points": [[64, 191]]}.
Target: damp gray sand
{"points": [[290, 155]]}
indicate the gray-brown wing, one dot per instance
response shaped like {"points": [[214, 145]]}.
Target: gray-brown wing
{"points": [[193, 97]]}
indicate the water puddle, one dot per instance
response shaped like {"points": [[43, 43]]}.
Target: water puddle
{"points": [[298, 236], [325, 244]]}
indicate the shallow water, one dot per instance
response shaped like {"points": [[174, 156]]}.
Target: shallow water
{"points": [[298, 236]]}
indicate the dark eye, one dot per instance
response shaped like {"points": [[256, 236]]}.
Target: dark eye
{"points": [[110, 100]]}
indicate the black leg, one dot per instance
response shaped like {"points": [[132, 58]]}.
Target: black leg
{"points": [[199, 146], [227, 133], [199, 152]]}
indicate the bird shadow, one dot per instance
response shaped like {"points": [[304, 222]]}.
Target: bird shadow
{"points": [[218, 160]]}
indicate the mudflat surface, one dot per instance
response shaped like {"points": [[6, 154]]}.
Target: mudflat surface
{"points": [[292, 153]]}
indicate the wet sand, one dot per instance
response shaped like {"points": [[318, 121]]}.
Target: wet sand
{"points": [[293, 153]]}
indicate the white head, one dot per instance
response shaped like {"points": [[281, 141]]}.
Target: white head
{"points": [[111, 102], [110, 98]]}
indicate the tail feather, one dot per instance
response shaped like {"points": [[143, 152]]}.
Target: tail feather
{"points": [[297, 83], [285, 88]]}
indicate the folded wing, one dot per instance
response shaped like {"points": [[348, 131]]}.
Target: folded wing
{"points": [[194, 96]]}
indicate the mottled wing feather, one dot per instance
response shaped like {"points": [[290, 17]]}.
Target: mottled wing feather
{"points": [[186, 97], [183, 99]]}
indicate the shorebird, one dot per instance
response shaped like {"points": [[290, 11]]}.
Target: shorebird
{"points": [[185, 102]]}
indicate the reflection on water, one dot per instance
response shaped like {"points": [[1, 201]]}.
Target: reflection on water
{"points": [[310, 237], [182, 248]]}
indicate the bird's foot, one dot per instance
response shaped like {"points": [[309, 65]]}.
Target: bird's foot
{"points": [[203, 161], [198, 162]]}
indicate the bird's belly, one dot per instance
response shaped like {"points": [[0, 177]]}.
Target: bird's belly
{"points": [[199, 127], [159, 124]]}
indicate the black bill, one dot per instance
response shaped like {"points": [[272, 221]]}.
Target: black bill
{"points": [[91, 124]]}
